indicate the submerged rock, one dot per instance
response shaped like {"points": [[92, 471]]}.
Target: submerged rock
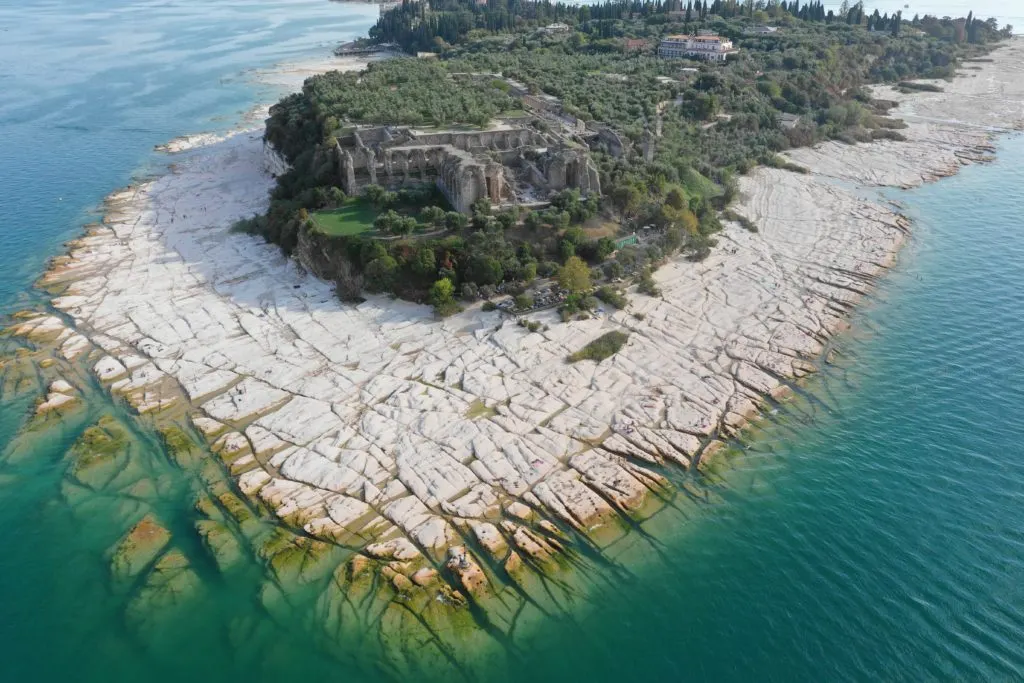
{"points": [[180, 446], [465, 568], [297, 559], [222, 544], [138, 548], [61, 397], [170, 584], [99, 454]]}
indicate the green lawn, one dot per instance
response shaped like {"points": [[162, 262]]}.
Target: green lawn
{"points": [[354, 218]]}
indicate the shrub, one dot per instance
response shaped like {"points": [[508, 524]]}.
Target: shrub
{"points": [[612, 297], [887, 134], [744, 222], [781, 162], [380, 274], [646, 284], [920, 87]]}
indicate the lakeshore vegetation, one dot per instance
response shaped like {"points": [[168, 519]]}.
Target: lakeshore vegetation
{"points": [[687, 128]]}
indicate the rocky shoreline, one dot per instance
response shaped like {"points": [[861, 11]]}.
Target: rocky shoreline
{"points": [[455, 462]]}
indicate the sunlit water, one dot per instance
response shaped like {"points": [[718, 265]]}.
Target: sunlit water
{"points": [[872, 530]]}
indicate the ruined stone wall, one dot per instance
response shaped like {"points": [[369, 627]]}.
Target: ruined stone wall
{"points": [[390, 167], [464, 166]]}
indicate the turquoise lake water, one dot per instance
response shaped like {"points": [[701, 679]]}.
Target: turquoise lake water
{"points": [[874, 530]]}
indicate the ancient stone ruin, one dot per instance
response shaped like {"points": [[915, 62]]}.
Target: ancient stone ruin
{"points": [[510, 166]]}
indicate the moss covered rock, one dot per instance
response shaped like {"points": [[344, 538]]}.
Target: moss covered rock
{"points": [[221, 543], [171, 583], [99, 454], [139, 547]]}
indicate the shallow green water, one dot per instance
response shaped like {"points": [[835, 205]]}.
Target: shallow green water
{"points": [[872, 529]]}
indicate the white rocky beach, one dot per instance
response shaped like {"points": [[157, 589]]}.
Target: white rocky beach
{"points": [[384, 429]]}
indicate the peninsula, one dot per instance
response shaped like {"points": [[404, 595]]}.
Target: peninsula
{"points": [[690, 233]]}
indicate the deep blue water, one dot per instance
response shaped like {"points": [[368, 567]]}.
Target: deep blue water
{"points": [[874, 529]]}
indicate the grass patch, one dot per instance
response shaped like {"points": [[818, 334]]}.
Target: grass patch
{"points": [[354, 218], [605, 346], [697, 184], [477, 409]]}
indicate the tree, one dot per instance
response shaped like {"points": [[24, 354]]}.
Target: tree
{"points": [[389, 221], [336, 197], [481, 206], [676, 198], [626, 198], [425, 263], [485, 270], [613, 269], [380, 274], [371, 251], [480, 221], [453, 220], [375, 195], [442, 292], [575, 235], [605, 247], [506, 220], [574, 276], [566, 249], [442, 295], [405, 226], [532, 220], [432, 215]]}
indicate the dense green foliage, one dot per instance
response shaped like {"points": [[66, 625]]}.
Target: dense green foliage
{"points": [[412, 92], [687, 129], [449, 22]]}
